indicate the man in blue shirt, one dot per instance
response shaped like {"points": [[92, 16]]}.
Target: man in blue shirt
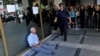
{"points": [[62, 18], [36, 45]]}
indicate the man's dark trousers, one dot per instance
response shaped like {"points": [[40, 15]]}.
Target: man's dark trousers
{"points": [[63, 30]]}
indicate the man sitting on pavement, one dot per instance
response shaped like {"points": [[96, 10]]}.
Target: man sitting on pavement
{"points": [[35, 44]]}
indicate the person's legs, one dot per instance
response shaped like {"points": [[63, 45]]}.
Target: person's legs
{"points": [[99, 23], [89, 21], [61, 29], [82, 22], [50, 47], [95, 22], [65, 32], [73, 22], [43, 50], [55, 26]]}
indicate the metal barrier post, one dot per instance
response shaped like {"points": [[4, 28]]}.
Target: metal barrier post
{"points": [[41, 19], [3, 38]]}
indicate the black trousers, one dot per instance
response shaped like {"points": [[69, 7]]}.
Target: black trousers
{"points": [[63, 30], [55, 25], [96, 22], [90, 21], [82, 22]]}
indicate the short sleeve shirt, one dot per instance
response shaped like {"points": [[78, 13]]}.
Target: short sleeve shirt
{"points": [[62, 16]]}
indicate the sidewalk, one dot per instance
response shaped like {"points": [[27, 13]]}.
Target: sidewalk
{"points": [[80, 43]]}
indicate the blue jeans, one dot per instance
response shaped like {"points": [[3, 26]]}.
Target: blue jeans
{"points": [[44, 48]]}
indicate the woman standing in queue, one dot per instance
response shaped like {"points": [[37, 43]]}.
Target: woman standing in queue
{"points": [[73, 16]]}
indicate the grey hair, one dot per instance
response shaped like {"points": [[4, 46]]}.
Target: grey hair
{"points": [[32, 28]]}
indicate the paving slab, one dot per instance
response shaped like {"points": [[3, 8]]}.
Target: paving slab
{"points": [[70, 38], [65, 51], [50, 37], [93, 32], [75, 32], [92, 40], [85, 52]]}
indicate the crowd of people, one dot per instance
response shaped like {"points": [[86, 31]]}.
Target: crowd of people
{"points": [[64, 18], [81, 16]]}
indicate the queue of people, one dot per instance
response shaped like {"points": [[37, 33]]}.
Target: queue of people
{"points": [[81, 16]]}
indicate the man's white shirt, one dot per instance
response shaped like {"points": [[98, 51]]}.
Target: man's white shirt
{"points": [[32, 39]]}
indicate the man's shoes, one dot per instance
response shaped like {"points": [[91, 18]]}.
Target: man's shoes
{"points": [[53, 53], [56, 46], [65, 40]]}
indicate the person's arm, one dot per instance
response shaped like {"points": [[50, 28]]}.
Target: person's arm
{"points": [[36, 45], [94, 11], [93, 14], [69, 18], [55, 20]]}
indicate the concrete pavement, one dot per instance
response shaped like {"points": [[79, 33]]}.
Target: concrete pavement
{"points": [[80, 43]]}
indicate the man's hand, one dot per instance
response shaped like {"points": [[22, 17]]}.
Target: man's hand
{"points": [[38, 46], [70, 21], [55, 20]]}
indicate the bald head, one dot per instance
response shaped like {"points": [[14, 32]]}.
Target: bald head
{"points": [[33, 30]]}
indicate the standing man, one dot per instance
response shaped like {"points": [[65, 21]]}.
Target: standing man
{"points": [[53, 14], [62, 18]]}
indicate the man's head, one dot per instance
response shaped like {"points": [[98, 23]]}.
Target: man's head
{"points": [[61, 6], [33, 30], [92, 5], [55, 7]]}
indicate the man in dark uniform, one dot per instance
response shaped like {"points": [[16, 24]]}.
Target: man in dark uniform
{"points": [[62, 18]]}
